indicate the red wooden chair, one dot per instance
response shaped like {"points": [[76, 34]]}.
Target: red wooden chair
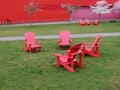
{"points": [[81, 23], [64, 40], [92, 48], [69, 59], [96, 22], [87, 22], [30, 43]]}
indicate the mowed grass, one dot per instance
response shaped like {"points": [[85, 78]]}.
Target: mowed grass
{"points": [[56, 28], [20, 70]]}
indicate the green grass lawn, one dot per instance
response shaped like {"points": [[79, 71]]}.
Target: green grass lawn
{"points": [[20, 70], [56, 28]]}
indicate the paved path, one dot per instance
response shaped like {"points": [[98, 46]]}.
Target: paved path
{"points": [[14, 38]]}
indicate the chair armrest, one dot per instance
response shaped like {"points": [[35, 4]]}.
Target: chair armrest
{"points": [[77, 52], [70, 40], [63, 56], [59, 40], [40, 43], [87, 43], [68, 51], [27, 44], [59, 55]]}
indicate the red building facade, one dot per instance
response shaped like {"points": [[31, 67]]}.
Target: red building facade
{"points": [[13, 10]]}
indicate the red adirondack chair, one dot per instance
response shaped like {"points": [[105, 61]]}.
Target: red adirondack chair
{"points": [[69, 59], [96, 22], [81, 23], [30, 43], [87, 22], [92, 48], [64, 40]]}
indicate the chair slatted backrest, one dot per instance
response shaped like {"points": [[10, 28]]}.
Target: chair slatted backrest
{"points": [[96, 22], [95, 42], [74, 49], [65, 37], [81, 21], [87, 21], [30, 38]]}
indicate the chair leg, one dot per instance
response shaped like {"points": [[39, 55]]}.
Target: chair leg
{"points": [[80, 61], [58, 63], [72, 65], [30, 51], [79, 64], [97, 51]]}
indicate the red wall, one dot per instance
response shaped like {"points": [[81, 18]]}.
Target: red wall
{"points": [[51, 10]]}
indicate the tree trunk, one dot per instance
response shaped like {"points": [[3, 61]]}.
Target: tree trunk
{"points": [[70, 17], [99, 17], [31, 20]]}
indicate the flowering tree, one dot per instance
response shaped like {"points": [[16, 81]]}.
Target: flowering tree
{"points": [[31, 9], [116, 6], [101, 7], [70, 8]]}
